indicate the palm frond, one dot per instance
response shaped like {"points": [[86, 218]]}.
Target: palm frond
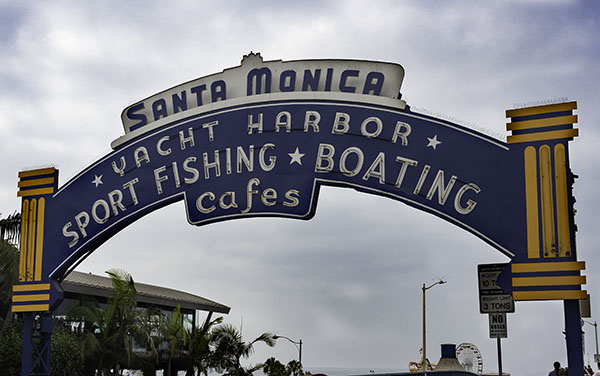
{"points": [[10, 228]]}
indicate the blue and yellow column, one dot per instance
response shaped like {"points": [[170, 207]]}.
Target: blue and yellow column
{"points": [[35, 294], [550, 270], [32, 293]]}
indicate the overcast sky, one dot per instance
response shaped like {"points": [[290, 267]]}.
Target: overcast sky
{"points": [[348, 282]]}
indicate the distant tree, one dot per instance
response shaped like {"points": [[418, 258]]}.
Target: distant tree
{"points": [[229, 348], [294, 368], [273, 367]]}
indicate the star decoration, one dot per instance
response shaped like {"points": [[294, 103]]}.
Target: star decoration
{"points": [[433, 142], [97, 181], [296, 157]]}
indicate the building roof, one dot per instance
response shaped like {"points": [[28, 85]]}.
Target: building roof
{"points": [[147, 295]]}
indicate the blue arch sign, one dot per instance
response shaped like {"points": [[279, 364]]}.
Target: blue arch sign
{"points": [[261, 139]]}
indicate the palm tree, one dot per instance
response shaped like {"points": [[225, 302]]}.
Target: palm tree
{"points": [[10, 228], [9, 269], [198, 347], [91, 327], [109, 333], [273, 367], [174, 333], [294, 368], [230, 348]]}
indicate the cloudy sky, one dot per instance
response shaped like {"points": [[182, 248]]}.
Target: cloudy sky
{"points": [[348, 282]]}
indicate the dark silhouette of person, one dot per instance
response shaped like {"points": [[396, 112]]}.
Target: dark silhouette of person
{"points": [[556, 370]]}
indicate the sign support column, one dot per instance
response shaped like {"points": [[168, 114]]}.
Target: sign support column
{"points": [[499, 346]]}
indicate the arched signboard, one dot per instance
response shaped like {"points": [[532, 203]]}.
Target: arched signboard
{"points": [[262, 138]]}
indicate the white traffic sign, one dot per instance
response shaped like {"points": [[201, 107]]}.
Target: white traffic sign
{"points": [[492, 299], [498, 325]]}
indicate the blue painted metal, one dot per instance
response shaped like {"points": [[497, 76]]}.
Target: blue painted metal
{"points": [[574, 337]]}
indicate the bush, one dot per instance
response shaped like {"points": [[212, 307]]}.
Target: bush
{"points": [[65, 356], [11, 343]]}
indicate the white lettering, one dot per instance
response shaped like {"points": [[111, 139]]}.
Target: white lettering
{"points": [[104, 205], [470, 203], [159, 179], [359, 162], [399, 133], [312, 118], [377, 169], [159, 148], [210, 126], [325, 154], [341, 124], [285, 123], [201, 207], [141, 154], [272, 159], [371, 120], [438, 185], [252, 126]]}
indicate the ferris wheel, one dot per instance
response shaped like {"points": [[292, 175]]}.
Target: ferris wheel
{"points": [[469, 357]]}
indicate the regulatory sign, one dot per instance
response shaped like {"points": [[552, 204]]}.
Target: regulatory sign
{"points": [[498, 326], [492, 298]]}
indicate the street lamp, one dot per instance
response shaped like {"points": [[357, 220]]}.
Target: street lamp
{"points": [[297, 344], [596, 356], [424, 288]]}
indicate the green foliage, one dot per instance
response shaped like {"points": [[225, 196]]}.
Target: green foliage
{"points": [[65, 355], [173, 331], [102, 342], [10, 228], [198, 352], [229, 348], [11, 343], [9, 269], [273, 367], [108, 334]]}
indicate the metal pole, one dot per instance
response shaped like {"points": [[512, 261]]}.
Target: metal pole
{"points": [[27, 344], [297, 344], [424, 360], [499, 345], [596, 333], [573, 336]]}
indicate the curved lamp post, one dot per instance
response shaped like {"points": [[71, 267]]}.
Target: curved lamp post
{"points": [[425, 288], [297, 344]]}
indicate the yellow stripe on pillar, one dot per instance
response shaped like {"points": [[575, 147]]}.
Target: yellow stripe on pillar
{"points": [[531, 203], [546, 178], [562, 201], [31, 239], [39, 241], [24, 238]]}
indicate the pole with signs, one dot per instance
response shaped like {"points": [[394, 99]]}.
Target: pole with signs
{"points": [[496, 302], [492, 298], [498, 330]]}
